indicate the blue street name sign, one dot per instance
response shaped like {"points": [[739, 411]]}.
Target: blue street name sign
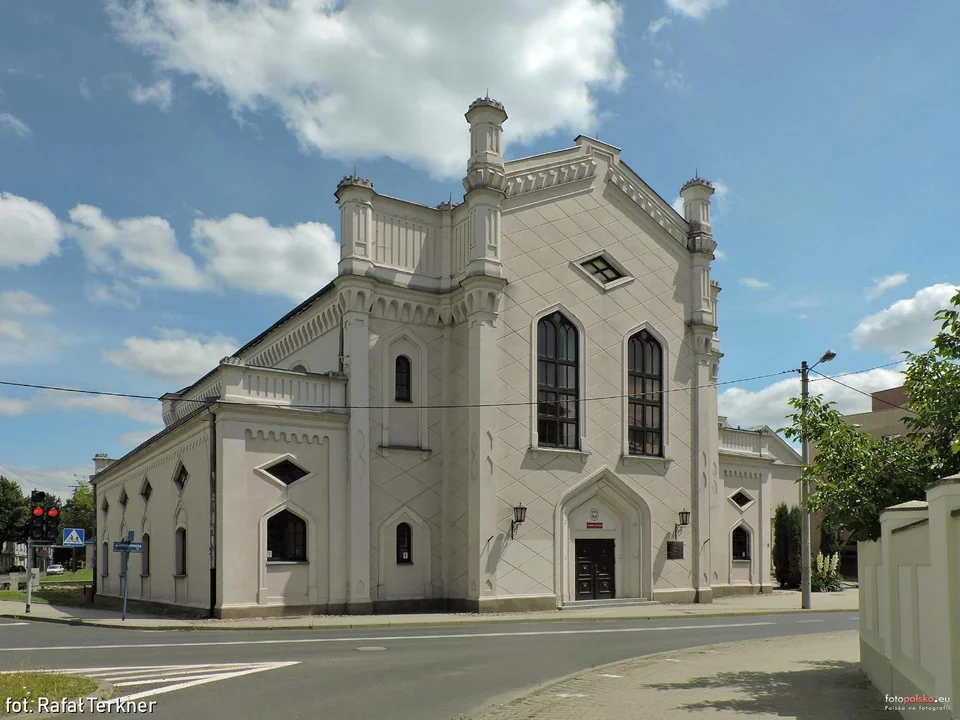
{"points": [[134, 547], [73, 537]]}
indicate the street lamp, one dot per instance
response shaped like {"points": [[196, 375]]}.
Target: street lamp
{"points": [[805, 454], [519, 515]]}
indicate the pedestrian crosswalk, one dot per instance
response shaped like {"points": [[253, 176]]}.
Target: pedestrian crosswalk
{"points": [[134, 682]]}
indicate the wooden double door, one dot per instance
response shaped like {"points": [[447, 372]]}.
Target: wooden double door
{"points": [[595, 567]]}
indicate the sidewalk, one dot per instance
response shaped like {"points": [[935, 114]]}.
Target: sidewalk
{"points": [[807, 677], [774, 603]]}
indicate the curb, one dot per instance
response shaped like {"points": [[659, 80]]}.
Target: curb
{"points": [[477, 620], [485, 710]]}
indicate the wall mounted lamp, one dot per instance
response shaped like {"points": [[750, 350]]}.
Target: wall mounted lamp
{"points": [[519, 515], [684, 521]]}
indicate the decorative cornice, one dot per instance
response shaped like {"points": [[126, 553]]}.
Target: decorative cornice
{"points": [[697, 181], [353, 181], [143, 468], [653, 206], [700, 240], [746, 474], [294, 338], [485, 176], [524, 182], [486, 102], [284, 436]]}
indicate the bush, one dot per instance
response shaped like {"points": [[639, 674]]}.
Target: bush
{"points": [[786, 546], [825, 576], [829, 539]]}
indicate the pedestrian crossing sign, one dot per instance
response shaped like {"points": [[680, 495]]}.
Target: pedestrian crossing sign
{"points": [[73, 537]]}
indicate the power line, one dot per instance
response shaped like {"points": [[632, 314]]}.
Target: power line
{"points": [[862, 392], [665, 391]]}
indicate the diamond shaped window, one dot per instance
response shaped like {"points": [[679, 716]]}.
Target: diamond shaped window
{"points": [[146, 491], [741, 498], [601, 269], [123, 498], [180, 479], [287, 472]]}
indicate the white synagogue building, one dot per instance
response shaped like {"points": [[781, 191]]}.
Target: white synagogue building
{"points": [[544, 351]]}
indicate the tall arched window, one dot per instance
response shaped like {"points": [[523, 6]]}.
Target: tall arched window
{"points": [[558, 416], [180, 552], [104, 559], [286, 538], [404, 544], [402, 383], [740, 543], [645, 393], [145, 555]]}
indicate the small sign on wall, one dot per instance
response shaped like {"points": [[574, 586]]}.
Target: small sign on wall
{"points": [[269, 554], [594, 526], [674, 550]]}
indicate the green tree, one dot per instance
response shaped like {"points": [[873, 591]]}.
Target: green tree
{"points": [[855, 476], [786, 546], [78, 509], [13, 509]]}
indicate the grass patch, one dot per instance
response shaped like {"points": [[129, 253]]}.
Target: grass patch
{"points": [[44, 596], [80, 576], [32, 685]]}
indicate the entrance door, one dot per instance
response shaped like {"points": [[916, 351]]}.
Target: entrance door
{"points": [[595, 569]]}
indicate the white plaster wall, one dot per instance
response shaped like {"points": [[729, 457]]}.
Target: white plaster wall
{"points": [[456, 456], [407, 477], [249, 497], [166, 510], [538, 244], [318, 356]]}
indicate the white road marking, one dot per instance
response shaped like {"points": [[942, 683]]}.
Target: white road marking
{"points": [[810, 621], [13, 624], [570, 695], [671, 660], [386, 638], [371, 648], [610, 675], [175, 677]]}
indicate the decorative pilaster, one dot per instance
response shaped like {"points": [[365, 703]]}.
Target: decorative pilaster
{"points": [[355, 197], [356, 348], [485, 184], [485, 541]]}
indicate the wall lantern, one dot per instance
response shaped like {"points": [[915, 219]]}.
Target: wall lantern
{"points": [[519, 515], [684, 521]]}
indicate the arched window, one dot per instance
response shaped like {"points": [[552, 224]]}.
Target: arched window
{"points": [[286, 538], [558, 417], [299, 368], [404, 544], [104, 559], [740, 543], [402, 387], [180, 552], [145, 555], [645, 393]]}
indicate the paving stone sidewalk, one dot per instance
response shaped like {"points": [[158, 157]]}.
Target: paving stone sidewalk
{"points": [[807, 677]]}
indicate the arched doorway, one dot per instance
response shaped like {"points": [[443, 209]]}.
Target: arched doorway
{"points": [[602, 542]]}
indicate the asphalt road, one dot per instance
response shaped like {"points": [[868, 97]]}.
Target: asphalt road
{"points": [[433, 673]]}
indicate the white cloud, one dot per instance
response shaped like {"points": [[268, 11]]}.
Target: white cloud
{"points": [[249, 253], [15, 124], [677, 205], [12, 406], [85, 89], [29, 232], [12, 330], [137, 437], [721, 193], [143, 411], [175, 356], [803, 316], [160, 94], [20, 302], [146, 244], [907, 324], [882, 284], [769, 406], [720, 255], [348, 84], [697, 9], [754, 283], [658, 24], [116, 293], [59, 480], [672, 78]]}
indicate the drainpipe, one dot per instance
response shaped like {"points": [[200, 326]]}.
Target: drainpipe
{"points": [[213, 513], [96, 540]]}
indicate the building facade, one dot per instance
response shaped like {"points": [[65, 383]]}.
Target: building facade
{"points": [[545, 351]]}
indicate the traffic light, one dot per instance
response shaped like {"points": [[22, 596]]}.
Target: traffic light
{"points": [[37, 517], [51, 524]]}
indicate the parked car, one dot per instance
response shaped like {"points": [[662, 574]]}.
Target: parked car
{"points": [[18, 569], [55, 569]]}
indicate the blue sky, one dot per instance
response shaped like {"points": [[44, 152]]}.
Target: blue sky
{"points": [[168, 169]]}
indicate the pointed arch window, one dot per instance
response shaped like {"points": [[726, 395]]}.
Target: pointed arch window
{"points": [[558, 372], [180, 552], [402, 382], [286, 538], [645, 395], [740, 543], [404, 544], [145, 555]]}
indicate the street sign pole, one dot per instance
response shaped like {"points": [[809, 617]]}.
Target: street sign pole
{"points": [[29, 572], [126, 575]]}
